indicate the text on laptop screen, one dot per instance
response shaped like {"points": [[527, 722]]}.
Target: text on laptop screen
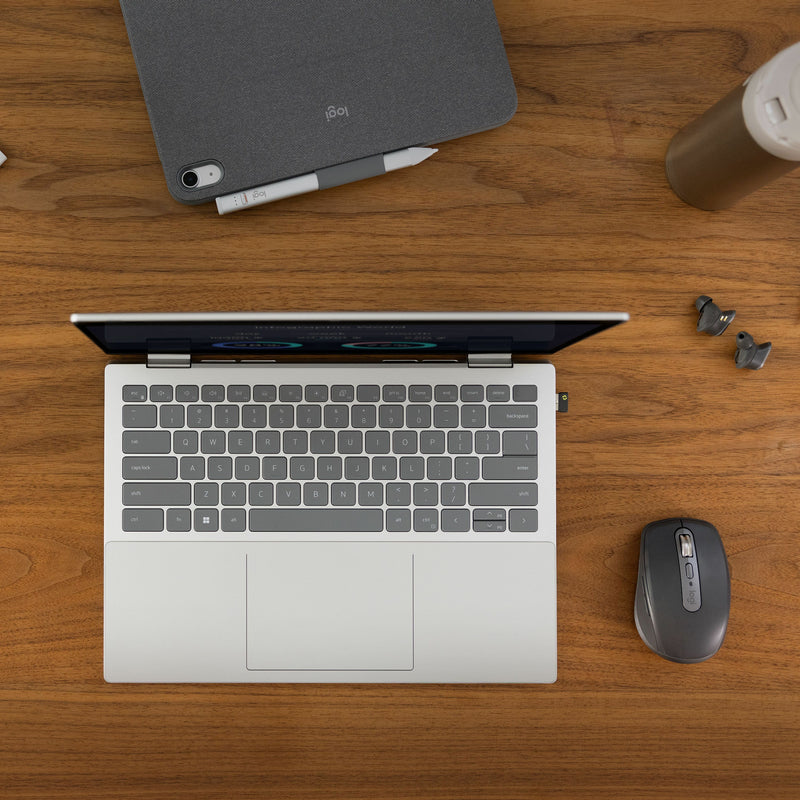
{"points": [[390, 338]]}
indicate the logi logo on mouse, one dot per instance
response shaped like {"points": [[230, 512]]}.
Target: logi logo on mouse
{"points": [[335, 112]]}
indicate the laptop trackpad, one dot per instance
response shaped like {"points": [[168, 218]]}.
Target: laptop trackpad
{"points": [[329, 606]]}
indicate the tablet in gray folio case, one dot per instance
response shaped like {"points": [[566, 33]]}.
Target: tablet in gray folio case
{"points": [[270, 89]]}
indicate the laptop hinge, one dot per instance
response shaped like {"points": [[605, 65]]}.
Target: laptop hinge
{"points": [[489, 360], [169, 360]]}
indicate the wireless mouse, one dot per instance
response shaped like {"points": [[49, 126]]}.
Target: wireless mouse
{"points": [[683, 593]]}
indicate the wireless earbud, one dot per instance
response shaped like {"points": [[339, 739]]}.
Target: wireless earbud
{"points": [[712, 320], [750, 355]]}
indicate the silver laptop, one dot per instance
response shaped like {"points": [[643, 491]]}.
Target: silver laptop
{"points": [[352, 497]]}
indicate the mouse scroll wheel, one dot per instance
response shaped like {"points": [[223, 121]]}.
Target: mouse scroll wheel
{"points": [[687, 549]]}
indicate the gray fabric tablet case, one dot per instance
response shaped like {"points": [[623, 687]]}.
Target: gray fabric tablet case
{"points": [[270, 89]]}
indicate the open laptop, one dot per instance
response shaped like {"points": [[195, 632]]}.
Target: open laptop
{"points": [[351, 497], [250, 93]]}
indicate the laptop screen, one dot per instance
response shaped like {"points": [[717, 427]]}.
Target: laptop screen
{"points": [[387, 335]]}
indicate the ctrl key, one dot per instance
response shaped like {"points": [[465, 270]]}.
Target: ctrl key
{"points": [[142, 520]]}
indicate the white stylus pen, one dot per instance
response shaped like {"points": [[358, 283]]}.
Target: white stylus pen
{"points": [[325, 178]]}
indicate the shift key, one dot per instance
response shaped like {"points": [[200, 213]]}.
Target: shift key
{"points": [[503, 494], [156, 494]]}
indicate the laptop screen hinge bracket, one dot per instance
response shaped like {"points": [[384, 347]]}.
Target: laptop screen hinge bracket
{"points": [[489, 360], [173, 360]]}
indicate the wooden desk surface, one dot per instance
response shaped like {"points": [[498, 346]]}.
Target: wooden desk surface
{"points": [[564, 208]]}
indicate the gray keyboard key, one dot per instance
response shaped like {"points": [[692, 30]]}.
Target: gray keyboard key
{"points": [[368, 394], [446, 394], [343, 494], [287, 494], [185, 442], [142, 520], [488, 441], [455, 520], [329, 468], [431, 442], [339, 520], [459, 442], [398, 520], [240, 442], [418, 416], [426, 520], [489, 526], [254, 416], [156, 494], [426, 494], [398, 494], [145, 442], [234, 520], [301, 468], [512, 416], [171, 416], [186, 394], [264, 394], [370, 494], [523, 520], [503, 494], [134, 394], [295, 442], [322, 442], [356, 468], [179, 520], [519, 443], [394, 394], [510, 468], [454, 494], [198, 416], [473, 416], [316, 394], [193, 468], [445, 416], [260, 494], [377, 442], [206, 494], [238, 394], [247, 468], [281, 416], [439, 468], [220, 468], [139, 416], [212, 442], [384, 468], [363, 416], [309, 416], [390, 416], [226, 416], [290, 394], [467, 468], [472, 394], [153, 469], [420, 393], [524, 393], [206, 520], [498, 393], [273, 469], [213, 394], [234, 494], [268, 442], [412, 468], [315, 494], [404, 442], [342, 394], [337, 416], [485, 514], [351, 442], [160, 394]]}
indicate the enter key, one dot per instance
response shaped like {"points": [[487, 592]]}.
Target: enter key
{"points": [[510, 468]]}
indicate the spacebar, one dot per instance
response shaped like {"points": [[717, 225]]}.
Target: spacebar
{"points": [[305, 520]]}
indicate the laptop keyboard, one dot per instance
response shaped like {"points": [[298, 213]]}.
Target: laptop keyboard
{"points": [[343, 458]]}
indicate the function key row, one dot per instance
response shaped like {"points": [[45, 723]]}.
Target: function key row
{"points": [[294, 393]]}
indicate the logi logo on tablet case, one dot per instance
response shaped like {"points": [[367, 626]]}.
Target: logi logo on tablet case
{"points": [[332, 112]]}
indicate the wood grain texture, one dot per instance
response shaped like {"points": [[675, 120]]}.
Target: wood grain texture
{"points": [[564, 208]]}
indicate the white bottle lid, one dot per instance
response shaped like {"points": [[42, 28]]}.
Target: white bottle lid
{"points": [[771, 105]]}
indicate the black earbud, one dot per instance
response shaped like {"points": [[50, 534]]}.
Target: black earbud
{"points": [[750, 355], [711, 319]]}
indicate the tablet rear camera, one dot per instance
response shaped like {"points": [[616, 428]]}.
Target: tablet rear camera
{"points": [[190, 179]]}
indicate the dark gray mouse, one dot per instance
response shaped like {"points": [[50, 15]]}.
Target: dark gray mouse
{"points": [[683, 593]]}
